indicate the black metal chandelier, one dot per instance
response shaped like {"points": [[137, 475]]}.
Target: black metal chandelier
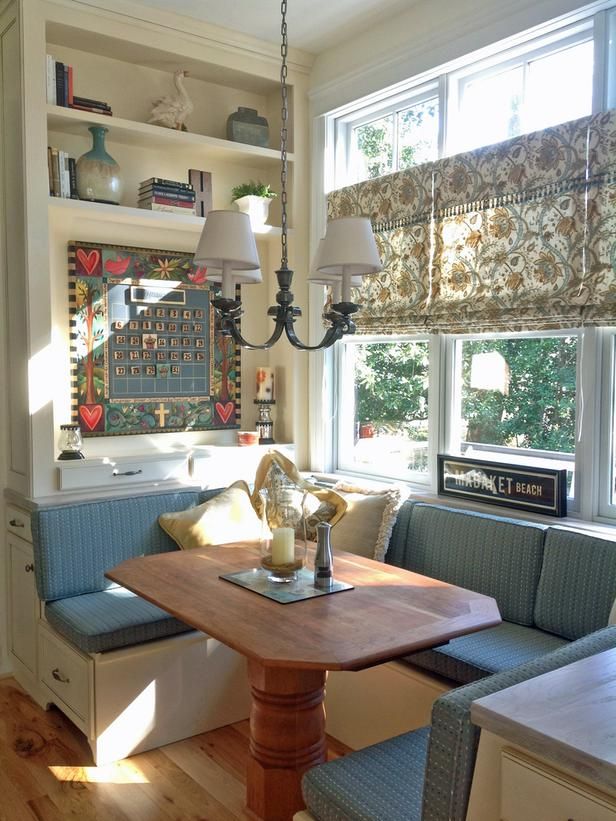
{"points": [[227, 245]]}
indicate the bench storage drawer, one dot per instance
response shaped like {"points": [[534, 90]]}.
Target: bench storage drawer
{"points": [[18, 523], [65, 671]]}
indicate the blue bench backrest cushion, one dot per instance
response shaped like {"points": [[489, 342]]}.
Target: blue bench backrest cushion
{"points": [[75, 544], [577, 587], [493, 555]]}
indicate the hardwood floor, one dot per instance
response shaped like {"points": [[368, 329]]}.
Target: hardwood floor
{"points": [[47, 772]]}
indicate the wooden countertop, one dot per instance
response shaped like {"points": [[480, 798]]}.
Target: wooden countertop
{"points": [[567, 716]]}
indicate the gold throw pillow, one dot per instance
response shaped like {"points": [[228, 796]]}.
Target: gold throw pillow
{"points": [[227, 517]]}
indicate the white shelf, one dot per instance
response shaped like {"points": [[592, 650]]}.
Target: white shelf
{"points": [[129, 132], [102, 212]]}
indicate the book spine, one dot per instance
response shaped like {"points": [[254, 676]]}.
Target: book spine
{"points": [[50, 170], [161, 181], [89, 102], [171, 209], [70, 86], [66, 176], [55, 172], [59, 83], [72, 175], [166, 201], [164, 191], [51, 80], [65, 87], [61, 156], [92, 110]]}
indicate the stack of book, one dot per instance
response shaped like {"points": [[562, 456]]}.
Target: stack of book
{"points": [[62, 174], [60, 90], [157, 194]]}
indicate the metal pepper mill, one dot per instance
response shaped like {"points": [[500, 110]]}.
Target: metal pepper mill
{"points": [[323, 561]]}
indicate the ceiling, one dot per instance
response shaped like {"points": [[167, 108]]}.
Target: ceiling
{"points": [[312, 26]]}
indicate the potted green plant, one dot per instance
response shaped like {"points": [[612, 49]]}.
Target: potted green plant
{"points": [[253, 198]]}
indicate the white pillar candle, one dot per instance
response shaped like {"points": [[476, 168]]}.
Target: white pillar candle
{"points": [[283, 545], [265, 384]]}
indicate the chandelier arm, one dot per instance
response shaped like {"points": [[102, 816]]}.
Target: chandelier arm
{"points": [[340, 326], [229, 328]]}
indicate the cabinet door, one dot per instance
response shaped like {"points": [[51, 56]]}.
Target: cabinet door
{"points": [[532, 790], [23, 602]]}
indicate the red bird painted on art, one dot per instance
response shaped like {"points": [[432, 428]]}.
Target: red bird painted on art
{"points": [[117, 267], [198, 277]]}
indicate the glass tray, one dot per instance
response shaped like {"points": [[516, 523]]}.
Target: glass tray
{"points": [[282, 592]]}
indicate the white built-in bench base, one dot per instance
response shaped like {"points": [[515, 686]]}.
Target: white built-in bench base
{"points": [[137, 698], [372, 705]]}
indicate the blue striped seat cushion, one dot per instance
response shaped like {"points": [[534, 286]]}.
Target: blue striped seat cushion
{"points": [[578, 583], [380, 783], [109, 619], [75, 544], [472, 657]]}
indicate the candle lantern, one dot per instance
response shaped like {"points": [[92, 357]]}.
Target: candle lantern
{"points": [[283, 537], [264, 401]]}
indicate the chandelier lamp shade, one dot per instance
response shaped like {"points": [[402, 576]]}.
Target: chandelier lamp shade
{"points": [[227, 247]]}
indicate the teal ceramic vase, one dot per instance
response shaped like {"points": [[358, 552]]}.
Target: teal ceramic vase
{"points": [[98, 174]]}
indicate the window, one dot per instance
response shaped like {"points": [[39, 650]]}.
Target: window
{"points": [[538, 82], [383, 415], [550, 83], [543, 399], [515, 398], [396, 140], [382, 139]]}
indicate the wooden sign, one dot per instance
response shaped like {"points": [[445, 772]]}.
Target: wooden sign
{"points": [[541, 490]]}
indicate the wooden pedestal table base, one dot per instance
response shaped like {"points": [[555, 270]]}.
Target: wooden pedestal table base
{"points": [[287, 737]]}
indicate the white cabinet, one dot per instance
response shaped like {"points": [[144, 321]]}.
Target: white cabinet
{"points": [[532, 790], [23, 601]]}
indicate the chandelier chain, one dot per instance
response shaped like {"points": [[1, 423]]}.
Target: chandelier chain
{"points": [[284, 116]]}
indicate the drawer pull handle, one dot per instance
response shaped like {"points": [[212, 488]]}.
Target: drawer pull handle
{"points": [[126, 473], [59, 677], [29, 568], [16, 523]]}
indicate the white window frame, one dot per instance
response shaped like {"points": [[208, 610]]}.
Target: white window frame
{"points": [[519, 56], [606, 508], [344, 125], [454, 396], [345, 411]]}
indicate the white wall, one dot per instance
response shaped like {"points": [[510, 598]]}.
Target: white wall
{"points": [[429, 34]]}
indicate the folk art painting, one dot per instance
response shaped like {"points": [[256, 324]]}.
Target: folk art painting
{"points": [[145, 356]]}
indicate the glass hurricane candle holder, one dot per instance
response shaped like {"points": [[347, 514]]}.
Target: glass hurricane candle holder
{"points": [[283, 541]]}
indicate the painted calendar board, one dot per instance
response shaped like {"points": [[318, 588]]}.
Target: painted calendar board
{"points": [[145, 357]]}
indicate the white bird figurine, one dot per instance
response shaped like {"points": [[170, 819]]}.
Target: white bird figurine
{"points": [[172, 111]]}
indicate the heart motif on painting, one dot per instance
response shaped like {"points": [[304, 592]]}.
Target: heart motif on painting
{"points": [[225, 411], [89, 260], [91, 415]]}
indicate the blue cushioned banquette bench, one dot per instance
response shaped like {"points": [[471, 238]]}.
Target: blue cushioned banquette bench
{"points": [[555, 589], [127, 673]]}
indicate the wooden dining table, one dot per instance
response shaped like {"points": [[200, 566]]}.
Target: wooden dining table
{"points": [[387, 614]]}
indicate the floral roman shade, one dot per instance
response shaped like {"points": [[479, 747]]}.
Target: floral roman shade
{"points": [[510, 237]]}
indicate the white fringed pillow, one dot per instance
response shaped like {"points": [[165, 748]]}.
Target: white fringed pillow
{"points": [[370, 516]]}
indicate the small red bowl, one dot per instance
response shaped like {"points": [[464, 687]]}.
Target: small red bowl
{"points": [[247, 437]]}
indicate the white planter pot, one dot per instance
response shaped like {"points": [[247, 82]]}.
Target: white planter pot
{"points": [[257, 208]]}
